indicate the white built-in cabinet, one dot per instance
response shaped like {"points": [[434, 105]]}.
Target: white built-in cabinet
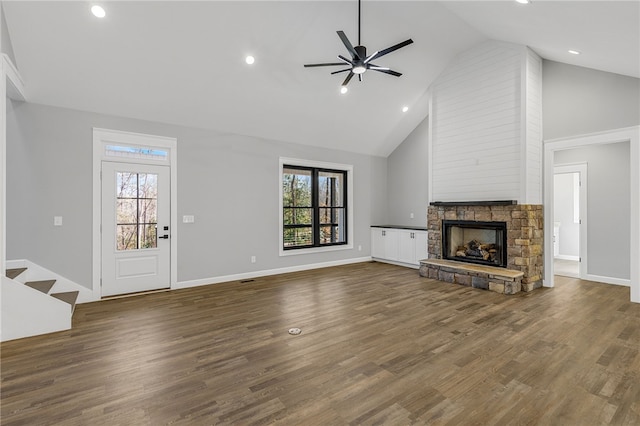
{"points": [[407, 246]]}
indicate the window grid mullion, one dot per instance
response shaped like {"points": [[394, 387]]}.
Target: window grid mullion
{"points": [[315, 194]]}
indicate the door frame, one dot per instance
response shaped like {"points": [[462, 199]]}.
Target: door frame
{"points": [[582, 170], [117, 137], [628, 134]]}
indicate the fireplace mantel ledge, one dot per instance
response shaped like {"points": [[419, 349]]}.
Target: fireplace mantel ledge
{"points": [[474, 203]]}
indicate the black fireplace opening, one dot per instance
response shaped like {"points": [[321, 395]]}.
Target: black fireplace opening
{"points": [[484, 243]]}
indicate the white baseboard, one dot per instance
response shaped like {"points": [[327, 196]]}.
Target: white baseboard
{"points": [[267, 272], [608, 280], [393, 262], [567, 257]]}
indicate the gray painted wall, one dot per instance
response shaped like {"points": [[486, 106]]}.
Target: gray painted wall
{"points": [[569, 238], [408, 179], [577, 100], [229, 182], [608, 206], [6, 45]]}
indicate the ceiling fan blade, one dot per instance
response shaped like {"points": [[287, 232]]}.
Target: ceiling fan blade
{"points": [[329, 64], [345, 59], [348, 44], [346, 80], [387, 71], [389, 49], [376, 67], [338, 72], [372, 56]]}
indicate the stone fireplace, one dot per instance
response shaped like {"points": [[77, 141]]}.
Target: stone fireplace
{"points": [[501, 241]]}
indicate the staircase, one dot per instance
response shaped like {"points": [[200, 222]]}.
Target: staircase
{"points": [[45, 287], [32, 305]]}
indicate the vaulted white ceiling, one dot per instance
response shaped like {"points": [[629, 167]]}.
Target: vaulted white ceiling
{"points": [[183, 62]]}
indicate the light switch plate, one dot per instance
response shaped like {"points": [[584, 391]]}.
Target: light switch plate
{"points": [[57, 221], [188, 219]]}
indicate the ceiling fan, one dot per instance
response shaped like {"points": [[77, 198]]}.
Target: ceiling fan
{"points": [[360, 62]]}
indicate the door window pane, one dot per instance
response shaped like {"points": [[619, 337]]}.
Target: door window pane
{"points": [[126, 237], [136, 210], [126, 212]]}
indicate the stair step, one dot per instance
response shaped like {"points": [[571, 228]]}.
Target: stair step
{"points": [[68, 296], [12, 273], [43, 286]]}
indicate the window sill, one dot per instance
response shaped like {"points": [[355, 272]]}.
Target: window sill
{"points": [[313, 250]]}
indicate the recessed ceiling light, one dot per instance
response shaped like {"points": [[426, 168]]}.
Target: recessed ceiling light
{"points": [[574, 52], [524, 1], [98, 11], [250, 60], [405, 109], [344, 90]]}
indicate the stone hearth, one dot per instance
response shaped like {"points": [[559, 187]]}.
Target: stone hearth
{"points": [[500, 280], [524, 237]]}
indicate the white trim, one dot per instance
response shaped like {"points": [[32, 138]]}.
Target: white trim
{"points": [[102, 136], [583, 170], [430, 152], [11, 87], [607, 280], [630, 134], [524, 165], [3, 164], [394, 262], [350, 223], [15, 89], [268, 272], [567, 257]]}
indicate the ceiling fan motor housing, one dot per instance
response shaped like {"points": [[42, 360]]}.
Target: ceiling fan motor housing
{"points": [[359, 66]]}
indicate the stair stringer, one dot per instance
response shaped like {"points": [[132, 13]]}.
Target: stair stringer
{"points": [[28, 312], [36, 272]]}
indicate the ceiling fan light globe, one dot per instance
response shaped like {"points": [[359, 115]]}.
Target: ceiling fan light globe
{"points": [[359, 69]]}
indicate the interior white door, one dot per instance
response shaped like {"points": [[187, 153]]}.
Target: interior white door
{"points": [[136, 250]]}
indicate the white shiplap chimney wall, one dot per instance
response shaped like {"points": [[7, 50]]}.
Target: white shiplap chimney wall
{"points": [[486, 126]]}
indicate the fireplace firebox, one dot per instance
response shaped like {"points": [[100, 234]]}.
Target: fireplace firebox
{"points": [[469, 241]]}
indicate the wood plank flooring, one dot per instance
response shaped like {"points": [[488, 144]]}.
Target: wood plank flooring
{"points": [[379, 345]]}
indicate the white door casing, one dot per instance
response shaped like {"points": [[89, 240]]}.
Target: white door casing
{"points": [[140, 149], [136, 251]]}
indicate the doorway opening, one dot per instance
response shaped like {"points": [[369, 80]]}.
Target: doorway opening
{"points": [[569, 220], [618, 266]]}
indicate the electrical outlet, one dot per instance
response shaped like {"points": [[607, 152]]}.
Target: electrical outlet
{"points": [[411, 215], [253, 259], [359, 248]]}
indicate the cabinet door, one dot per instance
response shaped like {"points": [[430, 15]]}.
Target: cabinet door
{"points": [[377, 243], [421, 246], [390, 244], [406, 246]]}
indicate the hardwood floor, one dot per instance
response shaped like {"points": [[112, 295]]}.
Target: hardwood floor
{"points": [[379, 345]]}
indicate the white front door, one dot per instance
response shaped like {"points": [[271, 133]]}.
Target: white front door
{"points": [[136, 250]]}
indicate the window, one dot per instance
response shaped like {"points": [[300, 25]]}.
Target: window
{"points": [[156, 154], [136, 211], [314, 205]]}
